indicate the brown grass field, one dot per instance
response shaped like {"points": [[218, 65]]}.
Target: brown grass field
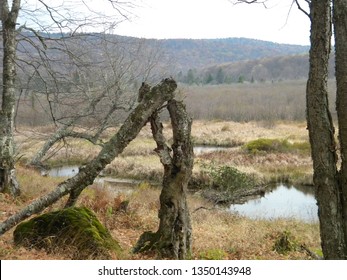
{"points": [[217, 234]]}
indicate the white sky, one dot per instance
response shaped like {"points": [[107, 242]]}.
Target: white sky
{"points": [[199, 19], [218, 19]]}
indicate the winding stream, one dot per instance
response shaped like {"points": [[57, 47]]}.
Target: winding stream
{"points": [[280, 202]]}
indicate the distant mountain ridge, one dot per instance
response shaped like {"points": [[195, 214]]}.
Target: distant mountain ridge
{"points": [[189, 60], [200, 53]]}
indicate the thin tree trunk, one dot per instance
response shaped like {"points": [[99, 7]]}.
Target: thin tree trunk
{"points": [[340, 28], [128, 131], [321, 133], [8, 181], [173, 238]]}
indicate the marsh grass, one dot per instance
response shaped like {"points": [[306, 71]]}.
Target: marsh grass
{"points": [[33, 184], [280, 152], [263, 102], [290, 174], [217, 234]]}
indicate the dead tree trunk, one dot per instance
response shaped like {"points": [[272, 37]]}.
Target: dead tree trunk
{"points": [[173, 238], [128, 131]]}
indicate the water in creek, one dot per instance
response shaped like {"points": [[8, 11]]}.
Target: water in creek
{"points": [[63, 171], [69, 171], [281, 202], [117, 185], [198, 150]]}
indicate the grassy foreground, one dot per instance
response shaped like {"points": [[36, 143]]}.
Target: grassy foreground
{"points": [[217, 234]]}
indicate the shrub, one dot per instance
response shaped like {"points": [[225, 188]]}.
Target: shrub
{"points": [[276, 145], [266, 145], [230, 178], [285, 243]]}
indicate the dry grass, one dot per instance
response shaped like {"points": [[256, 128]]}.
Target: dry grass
{"points": [[139, 160], [217, 234], [231, 133], [242, 238], [265, 102], [274, 166]]}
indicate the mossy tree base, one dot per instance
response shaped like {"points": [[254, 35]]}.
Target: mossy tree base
{"points": [[73, 231]]}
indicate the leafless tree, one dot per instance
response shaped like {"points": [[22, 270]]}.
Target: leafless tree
{"points": [[112, 148], [91, 93], [173, 238], [59, 54]]}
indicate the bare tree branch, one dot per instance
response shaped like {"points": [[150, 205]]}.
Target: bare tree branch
{"points": [[128, 131], [235, 2], [301, 8]]}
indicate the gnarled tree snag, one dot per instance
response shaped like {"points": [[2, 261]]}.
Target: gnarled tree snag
{"points": [[159, 94], [173, 238]]}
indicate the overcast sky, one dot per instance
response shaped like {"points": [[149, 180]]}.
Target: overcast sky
{"points": [[196, 19], [218, 19]]}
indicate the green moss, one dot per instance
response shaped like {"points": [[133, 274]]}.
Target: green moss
{"points": [[75, 231], [319, 252]]}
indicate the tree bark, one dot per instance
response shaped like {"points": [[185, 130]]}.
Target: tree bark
{"points": [[173, 238], [340, 30], [8, 181], [321, 133], [133, 124]]}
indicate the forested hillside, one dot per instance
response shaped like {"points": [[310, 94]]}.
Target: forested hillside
{"points": [[279, 68], [191, 60], [189, 53]]}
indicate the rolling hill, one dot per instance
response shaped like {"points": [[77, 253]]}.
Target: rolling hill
{"points": [[194, 54]]}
